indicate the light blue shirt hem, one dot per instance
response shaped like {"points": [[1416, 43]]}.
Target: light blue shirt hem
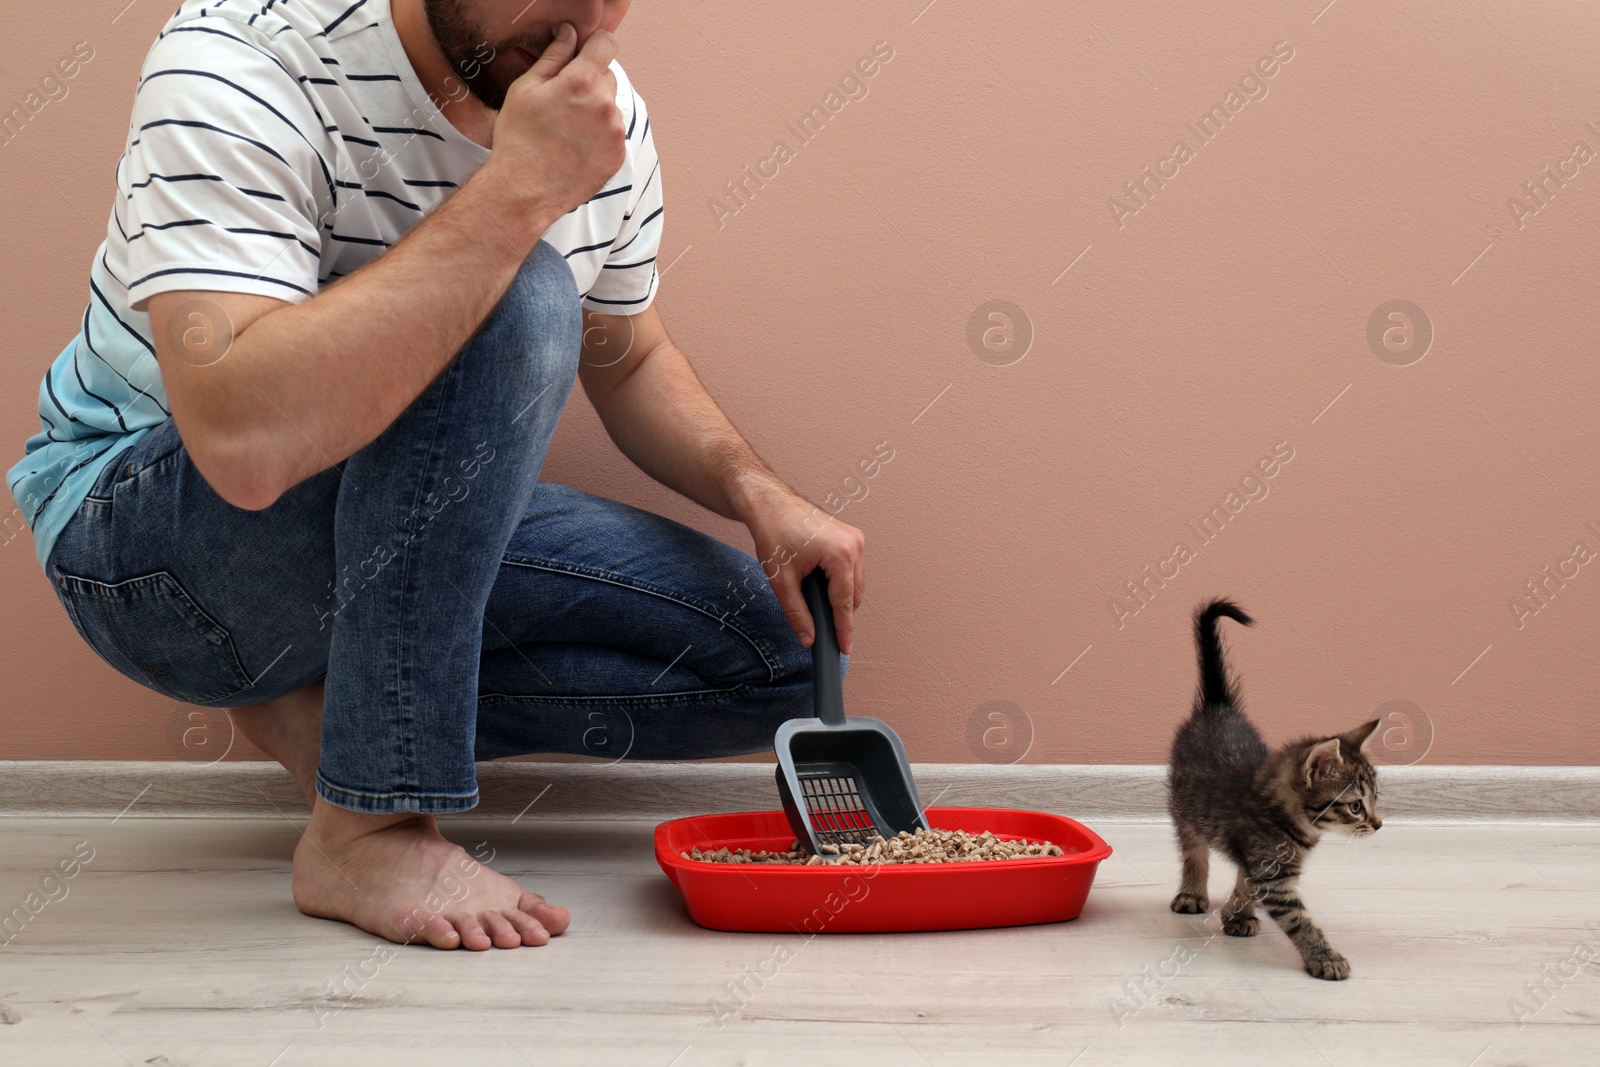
{"points": [[59, 511]]}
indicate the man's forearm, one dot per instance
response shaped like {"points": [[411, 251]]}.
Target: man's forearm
{"points": [[662, 418], [313, 383]]}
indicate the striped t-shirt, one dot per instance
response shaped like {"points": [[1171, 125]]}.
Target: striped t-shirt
{"points": [[273, 148]]}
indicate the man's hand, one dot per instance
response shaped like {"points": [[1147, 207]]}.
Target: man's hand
{"points": [[793, 537], [560, 136]]}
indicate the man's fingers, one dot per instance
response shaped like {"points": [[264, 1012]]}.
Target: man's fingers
{"points": [[842, 594], [861, 572], [786, 584], [598, 52], [557, 54]]}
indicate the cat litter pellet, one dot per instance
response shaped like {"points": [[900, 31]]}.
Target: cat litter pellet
{"points": [[921, 846]]}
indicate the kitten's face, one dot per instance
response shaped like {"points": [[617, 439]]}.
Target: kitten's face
{"points": [[1339, 784]]}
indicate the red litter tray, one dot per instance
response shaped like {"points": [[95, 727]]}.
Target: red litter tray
{"points": [[794, 898]]}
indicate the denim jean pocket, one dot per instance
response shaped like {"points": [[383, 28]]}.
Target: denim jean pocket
{"points": [[157, 450], [150, 629]]}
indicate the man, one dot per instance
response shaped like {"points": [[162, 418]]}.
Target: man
{"points": [[288, 469]]}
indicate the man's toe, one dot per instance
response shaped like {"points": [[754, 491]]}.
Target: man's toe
{"points": [[529, 929], [552, 917], [473, 935], [441, 933], [501, 932]]}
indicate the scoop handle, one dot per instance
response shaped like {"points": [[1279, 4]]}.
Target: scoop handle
{"points": [[827, 681]]}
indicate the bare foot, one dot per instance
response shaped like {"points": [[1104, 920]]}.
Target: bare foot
{"points": [[289, 729], [396, 876]]}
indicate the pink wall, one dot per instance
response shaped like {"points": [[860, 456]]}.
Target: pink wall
{"points": [[831, 312]]}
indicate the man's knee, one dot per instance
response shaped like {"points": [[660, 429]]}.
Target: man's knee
{"points": [[530, 342], [545, 297], [545, 278], [542, 308]]}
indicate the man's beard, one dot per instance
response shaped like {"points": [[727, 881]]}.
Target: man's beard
{"points": [[470, 54]]}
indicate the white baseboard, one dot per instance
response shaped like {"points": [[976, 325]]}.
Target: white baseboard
{"points": [[658, 791]]}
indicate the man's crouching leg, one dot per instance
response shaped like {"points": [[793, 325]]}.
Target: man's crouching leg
{"points": [[423, 517]]}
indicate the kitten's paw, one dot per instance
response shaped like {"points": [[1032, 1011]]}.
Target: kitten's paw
{"points": [[1242, 926], [1329, 965], [1190, 904]]}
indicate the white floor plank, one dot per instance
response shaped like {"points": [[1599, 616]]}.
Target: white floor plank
{"points": [[178, 944]]}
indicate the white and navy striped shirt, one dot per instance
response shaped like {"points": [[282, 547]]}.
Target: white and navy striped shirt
{"points": [[273, 148]]}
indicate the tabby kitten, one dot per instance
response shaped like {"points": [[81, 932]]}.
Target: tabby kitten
{"points": [[1263, 809]]}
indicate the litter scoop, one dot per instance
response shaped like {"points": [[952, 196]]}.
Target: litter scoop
{"points": [[842, 780]]}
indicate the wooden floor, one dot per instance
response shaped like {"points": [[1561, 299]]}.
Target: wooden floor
{"points": [[177, 943]]}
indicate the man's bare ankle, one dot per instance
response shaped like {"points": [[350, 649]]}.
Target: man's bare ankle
{"points": [[329, 822]]}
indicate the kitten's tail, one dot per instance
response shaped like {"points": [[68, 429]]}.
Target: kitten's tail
{"points": [[1215, 687]]}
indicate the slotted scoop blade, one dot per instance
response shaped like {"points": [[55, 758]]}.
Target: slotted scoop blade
{"points": [[841, 780]]}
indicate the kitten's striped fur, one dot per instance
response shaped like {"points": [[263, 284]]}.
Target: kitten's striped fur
{"points": [[1261, 808]]}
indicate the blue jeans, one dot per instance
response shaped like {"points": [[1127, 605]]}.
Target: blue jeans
{"points": [[459, 608]]}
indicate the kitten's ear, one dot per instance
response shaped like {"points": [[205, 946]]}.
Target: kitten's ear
{"points": [[1361, 736], [1321, 759]]}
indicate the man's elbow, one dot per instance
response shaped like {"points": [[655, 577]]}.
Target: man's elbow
{"points": [[235, 470], [251, 496]]}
